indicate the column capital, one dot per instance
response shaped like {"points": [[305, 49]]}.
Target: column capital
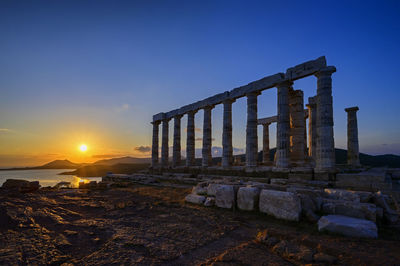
{"points": [[192, 111], [178, 116], [253, 93], [326, 71], [228, 101], [285, 84], [352, 109], [156, 123], [209, 107]]}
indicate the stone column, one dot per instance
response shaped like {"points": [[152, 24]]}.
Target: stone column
{"points": [[312, 126], [251, 130], [266, 158], [283, 126], [207, 138], [164, 144], [176, 150], [190, 141], [154, 146], [296, 110], [227, 149], [353, 156], [325, 152]]}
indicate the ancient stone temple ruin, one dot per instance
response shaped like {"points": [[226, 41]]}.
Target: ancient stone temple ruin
{"points": [[292, 149], [301, 182]]}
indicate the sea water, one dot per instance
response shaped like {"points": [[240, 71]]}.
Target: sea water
{"points": [[46, 177]]}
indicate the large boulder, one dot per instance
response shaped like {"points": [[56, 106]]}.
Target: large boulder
{"points": [[195, 199], [21, 185], [390, 215], [225, 196], [348, 226], [280, 204], [247, 198], [352, 209]]}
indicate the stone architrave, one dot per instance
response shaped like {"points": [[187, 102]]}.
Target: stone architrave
{"points": [[227, 149], [266, 158], [164, 143], [207, 138], [312, 126], [296, 126], [283, 126], [353, 156], [251, 130], [190, 139], [325, 152], [154, 146], [176, 151]]}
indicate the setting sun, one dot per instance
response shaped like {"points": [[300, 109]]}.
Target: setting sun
{"points": [[83, 148]]}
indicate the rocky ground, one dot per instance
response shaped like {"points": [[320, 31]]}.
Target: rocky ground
{"points": [[147, 225]]}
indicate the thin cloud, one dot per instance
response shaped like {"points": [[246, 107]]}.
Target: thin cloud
{"points": [[195, 129], [123, 108], [143, 149], [103, 156], [201, 139], [5, 130]]}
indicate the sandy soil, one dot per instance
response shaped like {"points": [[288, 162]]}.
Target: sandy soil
{"points": [[146, 225]]}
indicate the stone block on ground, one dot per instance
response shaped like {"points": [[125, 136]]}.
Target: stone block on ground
{"points": [[341, 194], [280, 204], [200, 189], [247, 198], [212, 189], [348, 226], [210, 201], [195, 199], [351, 209], [225, 196]]}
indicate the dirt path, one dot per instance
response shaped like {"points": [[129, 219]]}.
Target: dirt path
{"points": [[146, 225]]}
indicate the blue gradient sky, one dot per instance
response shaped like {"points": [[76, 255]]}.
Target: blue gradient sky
{"points": [[96, 71]]}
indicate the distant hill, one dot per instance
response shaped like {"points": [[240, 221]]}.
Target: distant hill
{"points": [[59, 164], [122, 160], [56, 164]]}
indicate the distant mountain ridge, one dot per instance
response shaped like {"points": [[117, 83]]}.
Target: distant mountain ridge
{"points": [[122, 160]]}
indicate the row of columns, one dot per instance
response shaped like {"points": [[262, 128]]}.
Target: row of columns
{"points": [[291, 139]]}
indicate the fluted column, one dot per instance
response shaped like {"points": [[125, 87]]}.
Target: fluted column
{"points": [[266, 158], [325, 153], [283, 126], [164, 144], [154, 145], [227, 149], [251, 130], [207, 138], [176, 150], [190, 141], [312, 126], [296, 109], [353, 156]]}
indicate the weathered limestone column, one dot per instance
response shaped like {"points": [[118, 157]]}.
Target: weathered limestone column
{"points": [[325, 152], [207, 138], [251, 130], [164, 144], [176, 150], [190, 141], [353, 156], [312, 126], [227, 149], [266, 158], [305, 134], [154, 145], [283, 126], [296, 109]]}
